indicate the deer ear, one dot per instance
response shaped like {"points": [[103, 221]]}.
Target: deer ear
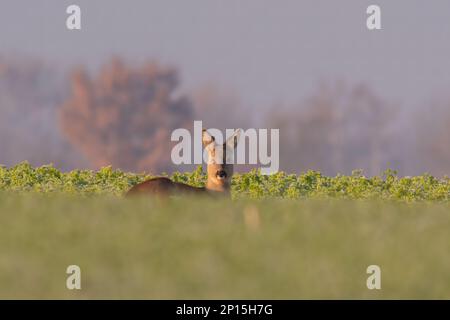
{"points": [[233, 140], [207, 138]]}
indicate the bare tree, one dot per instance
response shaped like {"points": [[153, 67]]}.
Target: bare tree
{"points": [[221, 109], [432, 133], [336, 130], [30, 92]]}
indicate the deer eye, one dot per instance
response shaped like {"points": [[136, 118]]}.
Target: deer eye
{"points": [[221, 174]]}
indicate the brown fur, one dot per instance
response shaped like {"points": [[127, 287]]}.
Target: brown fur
{"points": [[163, 187], [218, 174]]}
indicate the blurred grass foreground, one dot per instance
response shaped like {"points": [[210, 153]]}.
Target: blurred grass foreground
{"points": [[288, 238]]}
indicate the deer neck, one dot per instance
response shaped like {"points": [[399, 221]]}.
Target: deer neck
{"points": [[211, 186]]}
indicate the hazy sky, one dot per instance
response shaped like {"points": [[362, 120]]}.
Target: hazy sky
{"points": [[267, 51]]}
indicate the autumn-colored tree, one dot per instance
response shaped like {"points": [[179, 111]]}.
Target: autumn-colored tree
{"points": [[124, 116]]}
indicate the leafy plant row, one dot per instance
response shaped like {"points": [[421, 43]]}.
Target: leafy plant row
{"points": [[48, 179]]}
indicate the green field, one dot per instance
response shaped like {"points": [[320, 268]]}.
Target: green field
{"points": [[315, 244]]}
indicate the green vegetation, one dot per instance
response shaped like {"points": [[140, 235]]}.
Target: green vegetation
{"points": [[311, 184], [284, 236]]}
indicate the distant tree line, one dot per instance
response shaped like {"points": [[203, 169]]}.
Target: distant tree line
{"points": [[123, 115]]}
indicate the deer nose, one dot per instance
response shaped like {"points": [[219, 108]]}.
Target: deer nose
{"points": [[222, 174]]}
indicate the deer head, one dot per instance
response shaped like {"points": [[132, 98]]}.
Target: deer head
{"points": [[220, 161]]}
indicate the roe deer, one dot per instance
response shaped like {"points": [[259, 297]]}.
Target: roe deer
{"points": [[219, 172]]}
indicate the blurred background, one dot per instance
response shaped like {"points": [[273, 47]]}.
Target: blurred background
{"points": [[343, 97]]}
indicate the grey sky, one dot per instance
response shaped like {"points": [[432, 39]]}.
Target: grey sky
{"points": [[267, 51]]}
